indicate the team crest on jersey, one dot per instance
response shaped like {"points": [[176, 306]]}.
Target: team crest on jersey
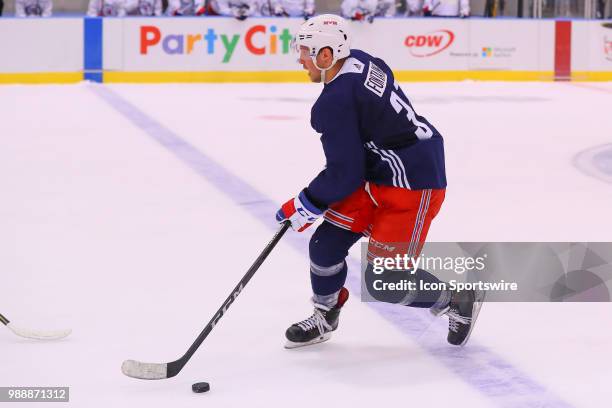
{"points": [[376, 81]]}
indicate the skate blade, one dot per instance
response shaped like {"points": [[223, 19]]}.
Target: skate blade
{"points": [[291, 345], [478, 301]]}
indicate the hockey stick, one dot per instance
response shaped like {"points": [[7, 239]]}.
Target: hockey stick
{"points": [[160, 371], [35, 334]]}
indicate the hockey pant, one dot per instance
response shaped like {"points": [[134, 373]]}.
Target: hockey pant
{"points": [[396, 220]]}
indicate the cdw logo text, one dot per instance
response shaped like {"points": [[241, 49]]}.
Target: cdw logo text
{"points": [[432, 43]]}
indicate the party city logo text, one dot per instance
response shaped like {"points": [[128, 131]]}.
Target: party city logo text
{"points": [[258, 40]]}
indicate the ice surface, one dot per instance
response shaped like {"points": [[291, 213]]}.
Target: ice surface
{"points": [[107, 231]]}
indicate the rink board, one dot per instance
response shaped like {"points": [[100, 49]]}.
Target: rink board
{"points": [[150, 50]]}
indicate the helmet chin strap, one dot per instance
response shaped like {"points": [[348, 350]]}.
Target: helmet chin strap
{"points": [[323, 70]]}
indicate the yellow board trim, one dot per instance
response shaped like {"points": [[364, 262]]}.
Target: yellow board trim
{"points": [[209, 76], [425, 76], [300, 76], [591, 76], [287, 76], [41, 78]]}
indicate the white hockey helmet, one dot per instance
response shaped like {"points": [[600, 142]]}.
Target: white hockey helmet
{"points": [[326, 30]]}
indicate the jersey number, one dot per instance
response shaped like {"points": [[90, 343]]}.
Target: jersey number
{"points": [[423, 131]]}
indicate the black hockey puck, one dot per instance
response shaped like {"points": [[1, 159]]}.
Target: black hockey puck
{"points": [[200, 387]]}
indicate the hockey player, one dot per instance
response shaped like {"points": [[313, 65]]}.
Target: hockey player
{"points": [[384, 178], [240, 9], [146, 8], [122, 8], [414, 7], [366, 10], [293, 8], [186, 7], [263, 8], [106, 8], [446, 8], [33, 8]]}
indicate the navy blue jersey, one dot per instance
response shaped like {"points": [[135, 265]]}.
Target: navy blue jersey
{"points": [[370, 132]]}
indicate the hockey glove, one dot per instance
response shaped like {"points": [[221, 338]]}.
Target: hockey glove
{"points": [[300, 212]]}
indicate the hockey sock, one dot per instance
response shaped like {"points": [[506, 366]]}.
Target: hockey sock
{"points": [[326, 300], [328, 248], [327, 280]]}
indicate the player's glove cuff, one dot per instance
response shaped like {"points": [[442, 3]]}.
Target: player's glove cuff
{"points": [[300, 211]]}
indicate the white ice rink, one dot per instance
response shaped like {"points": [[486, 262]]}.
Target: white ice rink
{"points": [[128, 212]]}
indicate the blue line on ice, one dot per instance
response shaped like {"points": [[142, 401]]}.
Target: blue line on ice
{"points": [[476, 364]]}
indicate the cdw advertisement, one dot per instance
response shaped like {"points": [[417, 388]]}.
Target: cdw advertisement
{"points": [[459, 45], [417, 44], [207, 44]]}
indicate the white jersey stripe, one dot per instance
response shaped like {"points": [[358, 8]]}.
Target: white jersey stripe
{"points": [[401, 178], [400, 181], [394, 167], [402, 168], [391, 165]]}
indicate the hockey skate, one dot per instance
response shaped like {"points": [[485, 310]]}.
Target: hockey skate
{"points": [[462, 312], [318, 327]]}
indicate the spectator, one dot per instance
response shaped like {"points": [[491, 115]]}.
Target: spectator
{"points": [[263, 8], [122, 8], [240, 9], [446, 8], [33, 8], [293, 8], [600, 9], [385, 8], [1, 7], [366, 10], [414, 7], [186, 7], [147, 8], [565, 8], [494, 8]]}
